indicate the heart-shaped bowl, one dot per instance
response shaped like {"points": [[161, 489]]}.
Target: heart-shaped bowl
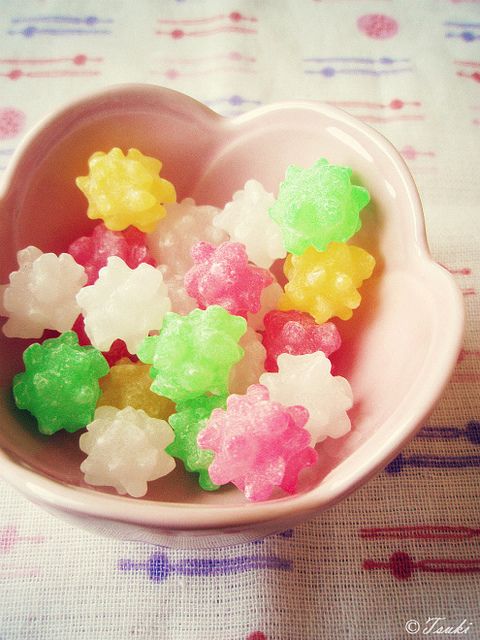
{"points": [[398, 351]]}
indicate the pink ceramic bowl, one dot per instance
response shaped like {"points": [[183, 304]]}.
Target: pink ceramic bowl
{"points": [[398, 350]]}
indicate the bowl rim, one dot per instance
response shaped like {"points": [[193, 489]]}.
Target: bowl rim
{"points": [[181, 516]]}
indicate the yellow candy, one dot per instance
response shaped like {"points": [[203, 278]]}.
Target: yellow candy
{"points": [[128, 385], [324, 283], [126, 190]]}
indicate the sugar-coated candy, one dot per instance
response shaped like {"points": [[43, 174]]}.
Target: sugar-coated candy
{"points": [[60, 383], [318, 205], [306, 379], [128, 385], [126, 449], [93, 251], [222, 276], [126, 190], [249, 369], [117, 351], [123, 303], [170, 243], [185, 224], [180, 300], [258, 444], [247, 221], [191, 417], [193, 354], [324, 283], [41, 294], [268, 301], [297, 333]]}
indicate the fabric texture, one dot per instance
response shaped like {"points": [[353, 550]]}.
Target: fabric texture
{"points": [[405, 547]]}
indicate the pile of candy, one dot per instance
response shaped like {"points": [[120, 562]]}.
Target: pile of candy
{"points": [[177, 341]]}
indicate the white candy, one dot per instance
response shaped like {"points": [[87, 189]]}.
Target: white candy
{"points": [[182, 303], [124, 303], [247, 221], [249, 369], [41, 294], [126, 449], [306, 380], [268, 302], [183, 226]]}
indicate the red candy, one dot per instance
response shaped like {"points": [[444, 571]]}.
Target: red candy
{"points": [[222, 276], [296, 333], [93, 251]]}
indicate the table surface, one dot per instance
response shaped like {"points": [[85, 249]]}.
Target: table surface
{"points": [[405, 548]]}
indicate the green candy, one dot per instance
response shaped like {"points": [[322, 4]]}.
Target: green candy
{"points": [[191, 417], [318, 205], [193, 354], [60, 383]]}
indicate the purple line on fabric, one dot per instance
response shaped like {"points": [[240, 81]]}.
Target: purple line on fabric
{"points": [[329, 72], [467, 36], [471, 433], [432, 462], [29, 32], [358, 60], [234, 100], [463, 25], [158, 567], [88, 20]]}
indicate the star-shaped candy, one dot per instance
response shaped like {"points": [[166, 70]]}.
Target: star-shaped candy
{"points": [[191, 417], [193, 355], [123, 303], [126, 190], [41, 294], [306, 379], [126, 450], [297, 333], [258, 444], [60, 383], [247, 221], [222, 276], [324, 283], [318, 205]]}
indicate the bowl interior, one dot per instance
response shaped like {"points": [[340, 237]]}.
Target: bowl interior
{"points": [[390, 351]]}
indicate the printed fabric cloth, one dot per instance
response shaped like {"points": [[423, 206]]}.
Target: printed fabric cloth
{"points": [[399, 557]]}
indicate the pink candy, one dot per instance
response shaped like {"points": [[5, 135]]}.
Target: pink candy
{"points": [[93, 251], [296, 333], [258, 444], [222, 275]]}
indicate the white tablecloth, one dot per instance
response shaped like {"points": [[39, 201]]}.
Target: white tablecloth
{"points": [[406, 546]]}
